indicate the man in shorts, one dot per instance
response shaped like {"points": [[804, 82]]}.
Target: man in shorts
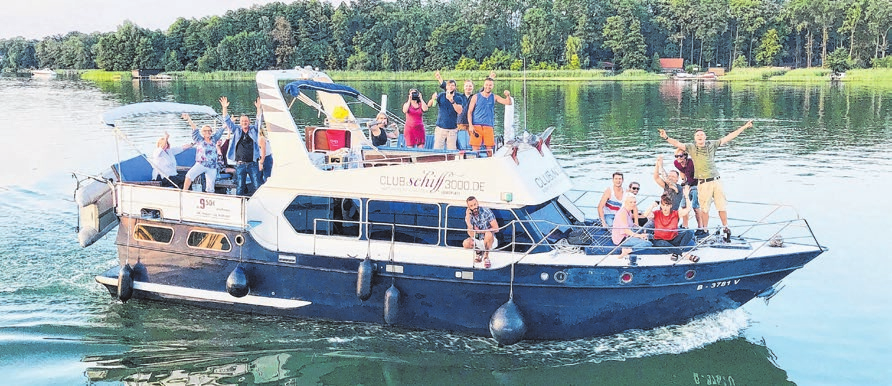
{"points": [[709, 185], [482, 226], [481, 115]]}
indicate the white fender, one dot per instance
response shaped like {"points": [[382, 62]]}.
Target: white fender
{"points": [[509, 121]]}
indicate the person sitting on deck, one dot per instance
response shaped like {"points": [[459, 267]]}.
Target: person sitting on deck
{"points": [[666, 232], [624, 232], [164, 163], [611, 201], [378, 131], [482, 226], [205, 155]]}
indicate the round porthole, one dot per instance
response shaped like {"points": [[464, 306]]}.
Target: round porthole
{"points": [[626, 277], [690, 274], [560, 276], [543, 276], [239, 239]]}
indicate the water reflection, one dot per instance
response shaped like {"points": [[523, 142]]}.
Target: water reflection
{"points": [[728, 362]]}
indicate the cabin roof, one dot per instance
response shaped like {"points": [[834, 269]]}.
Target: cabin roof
{"points": [[671, 63]]}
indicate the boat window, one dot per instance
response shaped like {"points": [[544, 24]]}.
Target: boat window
{"points": [[153, 233], [457, 229], [548, 216], [208, 240], [413, 222], [329, 215]]}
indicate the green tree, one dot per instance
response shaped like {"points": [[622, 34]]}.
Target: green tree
{"points": [[571, 53], [466, 64], [655, 65], [614, 33], [768, 50], [839, 61], [634, 49], [739, 62], [540, 41], [878, 16], [850, 24], [283, 42]]}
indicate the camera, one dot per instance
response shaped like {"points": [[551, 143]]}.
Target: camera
{"points": [[416, 96]]}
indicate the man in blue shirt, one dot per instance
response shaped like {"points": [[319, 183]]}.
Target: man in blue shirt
{"points": [[449, 106], [244, 148]]}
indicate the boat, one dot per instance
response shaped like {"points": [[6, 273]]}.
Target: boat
{"points": [[43, 73], [684, 76], [349, 232]]}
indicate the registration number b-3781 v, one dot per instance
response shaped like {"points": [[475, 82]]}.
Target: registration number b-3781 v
{"points": [[718, 284]]}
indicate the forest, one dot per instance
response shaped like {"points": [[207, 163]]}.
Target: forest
{"points": [[404, 35]]}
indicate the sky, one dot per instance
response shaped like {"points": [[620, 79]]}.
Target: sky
{"points": [[36, 19]]}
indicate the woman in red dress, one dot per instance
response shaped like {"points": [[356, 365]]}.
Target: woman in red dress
{"points": [[414, 108]]}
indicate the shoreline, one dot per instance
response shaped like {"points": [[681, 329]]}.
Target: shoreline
{"points": [[757, 74]]}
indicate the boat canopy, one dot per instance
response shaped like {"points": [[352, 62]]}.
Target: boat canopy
{"points": [[294, 88], [151, 108]]}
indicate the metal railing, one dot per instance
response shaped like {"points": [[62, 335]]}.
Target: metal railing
{"points": [[754, 242]]}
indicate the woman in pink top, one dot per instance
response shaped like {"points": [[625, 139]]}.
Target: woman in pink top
{"points": [[624, 229], [414, 108]]}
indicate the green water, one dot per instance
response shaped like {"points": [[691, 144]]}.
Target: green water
{"points": [[822, 148]]}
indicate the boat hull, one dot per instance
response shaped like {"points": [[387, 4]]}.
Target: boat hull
{"points": [[557, 302]]}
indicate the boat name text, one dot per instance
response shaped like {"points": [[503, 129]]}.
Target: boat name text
{"points": [[433, 183], [548, 177]]}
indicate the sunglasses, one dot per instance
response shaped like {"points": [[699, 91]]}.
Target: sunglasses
{"points": [[634, 188], [682, 155]]}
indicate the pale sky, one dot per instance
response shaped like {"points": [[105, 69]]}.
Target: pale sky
{"points": [[36, 19]]}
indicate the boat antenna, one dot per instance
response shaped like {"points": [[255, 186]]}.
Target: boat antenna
{"points": [[524, 94]]}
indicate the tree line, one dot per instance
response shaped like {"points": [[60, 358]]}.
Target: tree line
{"points": [[405, 35]]}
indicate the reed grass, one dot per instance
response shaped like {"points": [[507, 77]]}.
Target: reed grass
{"points": [[877, 75], [812, 74], [105, 76], [213, 76], [754, 73]]}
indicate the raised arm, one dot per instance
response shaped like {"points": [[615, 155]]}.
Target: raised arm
{"points": [[506, 100], [433, 100], [440, 80], [737, 132], [657, 177], [672, 141], [224, 104], [259, 119]]}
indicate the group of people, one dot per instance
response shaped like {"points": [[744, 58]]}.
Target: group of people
{"points": [[468, 111], [694, 185], [247, 148]]}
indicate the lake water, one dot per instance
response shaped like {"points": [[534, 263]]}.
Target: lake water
{"points": [[822, 148]]}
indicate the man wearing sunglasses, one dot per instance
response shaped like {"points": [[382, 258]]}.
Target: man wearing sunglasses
{"points": [[710, 187]]}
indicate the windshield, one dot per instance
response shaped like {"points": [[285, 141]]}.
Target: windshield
{"points": [[548, 216]]}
